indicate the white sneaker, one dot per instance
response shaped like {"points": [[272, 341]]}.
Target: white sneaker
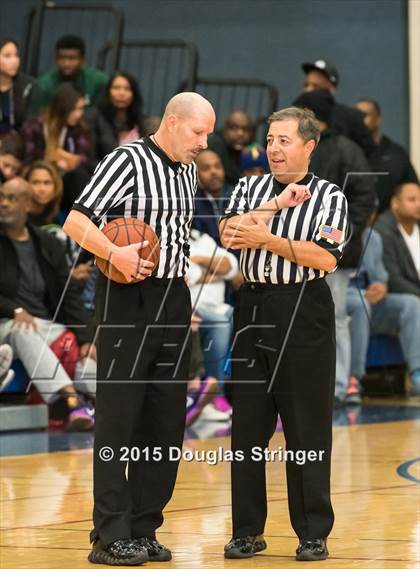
{"points": [[210, 413]]}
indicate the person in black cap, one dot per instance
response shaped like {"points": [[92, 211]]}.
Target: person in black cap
{"points": [[346, 120], [333, 159]]}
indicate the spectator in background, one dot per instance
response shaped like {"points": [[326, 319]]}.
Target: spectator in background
{"points": [[390, 158], [254, 161], [345, 120], [238, 131], [333, 159], [12, 154], [70, 68], [211, 267], [34, 287], [47, 192], [375, 310], [211, 195], [62, 137], [118, 118], [399, 228], [15, 88]]}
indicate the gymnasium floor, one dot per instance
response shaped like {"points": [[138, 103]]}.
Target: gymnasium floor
{"points": [[46, 497]]}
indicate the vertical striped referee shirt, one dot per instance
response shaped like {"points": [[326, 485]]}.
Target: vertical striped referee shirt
{"points": [[139, 180], [325, 213]]}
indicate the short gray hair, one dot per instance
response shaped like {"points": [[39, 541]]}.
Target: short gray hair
{"points": [[308, 128]]}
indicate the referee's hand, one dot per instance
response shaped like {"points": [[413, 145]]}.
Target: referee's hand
{"points": [[127, 260], [293, 195]]}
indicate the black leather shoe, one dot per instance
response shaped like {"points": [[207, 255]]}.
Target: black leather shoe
{"points": [[119, 552], [155, 550], [242, 547], [312, 550]]}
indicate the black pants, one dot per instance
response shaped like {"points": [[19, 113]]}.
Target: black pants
{"points": [[299, 386], [143, 356]]}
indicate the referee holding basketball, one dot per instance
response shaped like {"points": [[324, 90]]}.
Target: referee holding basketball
{"points": [[143, 329], [290, 227]]}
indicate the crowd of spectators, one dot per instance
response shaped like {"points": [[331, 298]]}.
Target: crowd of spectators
{"points": [[53, 131]]}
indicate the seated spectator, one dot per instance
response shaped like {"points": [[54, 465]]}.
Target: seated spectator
{"points": [[211, 266], [12, 154], [118, 118], [39, 304], [15, 88], [201, 392], [254, 161], [238, 131], [70, 68], [375, 310], [47, 192], [333, 158], [6, 358], [399, 228], [47, 189], [211, 195], [62, 137], [345, 120], [390, 158]]}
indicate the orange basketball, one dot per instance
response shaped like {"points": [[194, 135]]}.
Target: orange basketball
{"points": [[126, 231]]}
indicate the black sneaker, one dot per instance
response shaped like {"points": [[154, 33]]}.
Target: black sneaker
{"points": [[119, 552], [242, 547], [312, 550], [155, 550]]}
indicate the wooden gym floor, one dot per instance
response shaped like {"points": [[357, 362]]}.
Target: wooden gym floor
{"points": [[46, 503]]}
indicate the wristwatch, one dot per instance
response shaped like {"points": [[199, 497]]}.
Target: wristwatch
{"points": [[18, 310]]}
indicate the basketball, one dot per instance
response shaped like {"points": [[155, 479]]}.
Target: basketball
{"points": [[126, 231]]}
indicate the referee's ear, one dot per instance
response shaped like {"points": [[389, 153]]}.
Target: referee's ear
{"points": [[310, 147]]}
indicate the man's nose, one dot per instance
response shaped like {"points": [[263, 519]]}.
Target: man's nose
{"points": [[203, 142]]}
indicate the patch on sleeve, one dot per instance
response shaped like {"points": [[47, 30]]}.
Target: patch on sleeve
{"points": [[331, 234]]}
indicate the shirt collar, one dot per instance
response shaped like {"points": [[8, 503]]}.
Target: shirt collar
{"points": [[279, 187], [162, 155]]}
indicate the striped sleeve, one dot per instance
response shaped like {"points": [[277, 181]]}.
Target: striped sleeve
{"points": [[330, 230], [112, 182], [238, 203]]}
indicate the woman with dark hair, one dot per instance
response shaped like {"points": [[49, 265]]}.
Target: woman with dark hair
{"points": [[47, 191], [118, 118], [62, 137], [15, 88]]}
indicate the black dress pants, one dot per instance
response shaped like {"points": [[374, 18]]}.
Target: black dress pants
{"points": [[143, 340], [291, 374]]}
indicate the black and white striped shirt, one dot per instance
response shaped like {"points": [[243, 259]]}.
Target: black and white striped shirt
{"points": [[305, 222], [139, 180]]}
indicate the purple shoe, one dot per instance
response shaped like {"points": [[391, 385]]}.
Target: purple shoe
{"points": [[81, 419], [222, 404]]}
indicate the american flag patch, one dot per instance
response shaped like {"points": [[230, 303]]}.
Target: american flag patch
{"points": [[331, 234]]}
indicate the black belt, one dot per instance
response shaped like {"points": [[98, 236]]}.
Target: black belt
{"points": [[281, 286]]}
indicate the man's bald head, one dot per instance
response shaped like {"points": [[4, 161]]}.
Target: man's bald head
{"points": [[186, 105], [19, 186], [15, 202], [188, 120]]}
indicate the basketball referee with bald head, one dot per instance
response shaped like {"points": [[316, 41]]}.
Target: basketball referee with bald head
{"points": [[290, 226], [143, 329]]}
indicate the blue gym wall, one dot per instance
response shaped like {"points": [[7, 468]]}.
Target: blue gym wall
{"points": [[269, 39]]}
